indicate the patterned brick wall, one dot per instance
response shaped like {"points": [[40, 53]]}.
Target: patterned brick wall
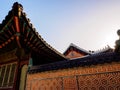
{"points": [[105, 81], [70, 83], [100, 77]]}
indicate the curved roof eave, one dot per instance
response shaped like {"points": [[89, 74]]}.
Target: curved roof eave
{"points": [[17, 11]]}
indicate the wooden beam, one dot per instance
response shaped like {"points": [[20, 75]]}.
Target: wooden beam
{"points": [[16, 20]]}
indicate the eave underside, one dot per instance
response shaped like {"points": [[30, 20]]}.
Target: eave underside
{"points": [[18, 32]]}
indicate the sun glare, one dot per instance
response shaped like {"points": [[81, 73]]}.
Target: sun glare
{"points": [[110, 40]]}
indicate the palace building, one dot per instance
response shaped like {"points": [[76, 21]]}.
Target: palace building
{"points": [[28, 62]]}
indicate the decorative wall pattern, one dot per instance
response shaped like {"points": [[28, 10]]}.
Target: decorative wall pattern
{"points": [[47, 84], [70, 83], [106, 81], [101, 77]]}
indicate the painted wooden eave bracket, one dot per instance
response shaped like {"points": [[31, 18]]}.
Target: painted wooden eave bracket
{"points": [[17, 25], [17, 11], [21, 30]]}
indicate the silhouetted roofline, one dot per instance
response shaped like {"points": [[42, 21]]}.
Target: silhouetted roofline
{"points": [[79, 62], [77, 48]]}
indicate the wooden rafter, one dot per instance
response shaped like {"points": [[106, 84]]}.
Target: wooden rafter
{"points": [[19, 29]]}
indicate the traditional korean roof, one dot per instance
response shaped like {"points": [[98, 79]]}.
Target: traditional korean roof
{"points": [[16, 31], [79, 62], [73, 46], [88, 60], [104, 50]]}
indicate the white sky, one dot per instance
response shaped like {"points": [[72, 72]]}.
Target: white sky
{"points": [[90, 24]]}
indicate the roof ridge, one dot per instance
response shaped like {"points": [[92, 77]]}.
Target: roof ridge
{"points": [[102, 50], [79, 48], [40, 37]]}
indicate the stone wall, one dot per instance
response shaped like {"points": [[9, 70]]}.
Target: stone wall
{"points": [[99, 77]]}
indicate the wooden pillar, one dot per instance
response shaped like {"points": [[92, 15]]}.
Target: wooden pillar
{"points": [[23, 77]]}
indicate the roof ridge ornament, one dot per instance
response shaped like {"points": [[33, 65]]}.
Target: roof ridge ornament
{"points": [[17, 9], [117, 46]]}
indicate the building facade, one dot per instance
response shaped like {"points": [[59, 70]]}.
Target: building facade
{"points": [[27, 62]]}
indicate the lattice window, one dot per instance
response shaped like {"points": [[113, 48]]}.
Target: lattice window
{"points": [[7, 74], [12, 74], [2, 75]]}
